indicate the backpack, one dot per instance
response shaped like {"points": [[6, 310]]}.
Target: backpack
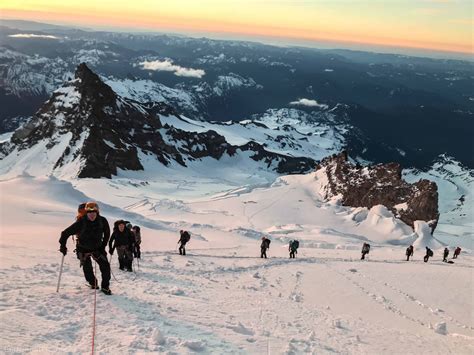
{"points": [[295, 244], [430, 252], [267, 242], [366, 248], [186, 237], [81, 211]]}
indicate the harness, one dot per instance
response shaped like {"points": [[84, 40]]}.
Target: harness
{"points": [[83, 256]]}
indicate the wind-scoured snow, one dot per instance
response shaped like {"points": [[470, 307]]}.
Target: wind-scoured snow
{"points": [[232, 81], [222, 297], [67, 96], [276, 129], [149, 91]]}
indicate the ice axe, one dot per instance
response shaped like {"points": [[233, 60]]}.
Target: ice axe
{"points": [[60, 273]]}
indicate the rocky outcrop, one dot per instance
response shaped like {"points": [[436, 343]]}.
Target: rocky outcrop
{"points": [[380, 184]]}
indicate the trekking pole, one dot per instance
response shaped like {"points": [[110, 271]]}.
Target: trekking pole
{"points": [[110, 265], [134, 271], [95, 306], [60, 273]]}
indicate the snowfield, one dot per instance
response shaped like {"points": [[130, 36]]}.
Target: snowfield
{"points": [[222, 297]]}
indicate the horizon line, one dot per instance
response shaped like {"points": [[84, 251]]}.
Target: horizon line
{"points": [[287, 41]]}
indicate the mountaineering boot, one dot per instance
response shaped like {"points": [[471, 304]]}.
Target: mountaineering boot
{"points": [[106, 291], [94, 286]]}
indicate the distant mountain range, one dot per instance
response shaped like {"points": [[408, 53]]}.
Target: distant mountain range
{"points": [[380, 107]]}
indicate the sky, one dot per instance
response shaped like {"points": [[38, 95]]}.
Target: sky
{"points": [[438, 25]]}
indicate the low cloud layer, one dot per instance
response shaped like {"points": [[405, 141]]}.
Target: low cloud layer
{"points": [[309, 103], [31, 35], [167, 65]]}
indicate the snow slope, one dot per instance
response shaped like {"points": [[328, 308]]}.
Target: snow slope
{"points": [[324, 301]]}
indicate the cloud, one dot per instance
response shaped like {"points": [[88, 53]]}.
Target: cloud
{"points": [[309, 103], [167, 65], [31, 35]]}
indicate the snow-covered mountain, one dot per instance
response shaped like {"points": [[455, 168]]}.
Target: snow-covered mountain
{"points": [[87, 130]]}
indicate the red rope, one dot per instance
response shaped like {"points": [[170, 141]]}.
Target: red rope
{"points": [[95, 303]]}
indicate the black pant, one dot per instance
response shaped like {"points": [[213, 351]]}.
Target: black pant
{"points": [[363, 255], [292, 254], [137, 251], [408, 257], [425, 259], [263, 253], [89, 271], [182, 249], [125, 257]]}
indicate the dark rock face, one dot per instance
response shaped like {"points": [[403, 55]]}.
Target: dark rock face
{"points": [[381, 185], [108, 132], [105, 125]]}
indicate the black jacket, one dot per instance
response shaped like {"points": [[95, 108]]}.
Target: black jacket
{"points": [[121, 238], [91, 235], [184, 238]]}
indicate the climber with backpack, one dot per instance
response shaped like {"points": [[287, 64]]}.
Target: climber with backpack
{"points": [[264, 246], [138, 241], [81, 212], [457, 251], [93, 233], [293, 248], [183, 239], [429, 253], [409, 252], [445, 255], [365, 250], [122, 240]]}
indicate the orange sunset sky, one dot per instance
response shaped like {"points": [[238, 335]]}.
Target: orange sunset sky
{"points": [[439, 25]]}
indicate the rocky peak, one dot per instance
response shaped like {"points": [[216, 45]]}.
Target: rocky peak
{"points": [[91, 87], [381, 184]]}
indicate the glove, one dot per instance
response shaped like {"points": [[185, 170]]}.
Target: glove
{"points": [[63, 249]]}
